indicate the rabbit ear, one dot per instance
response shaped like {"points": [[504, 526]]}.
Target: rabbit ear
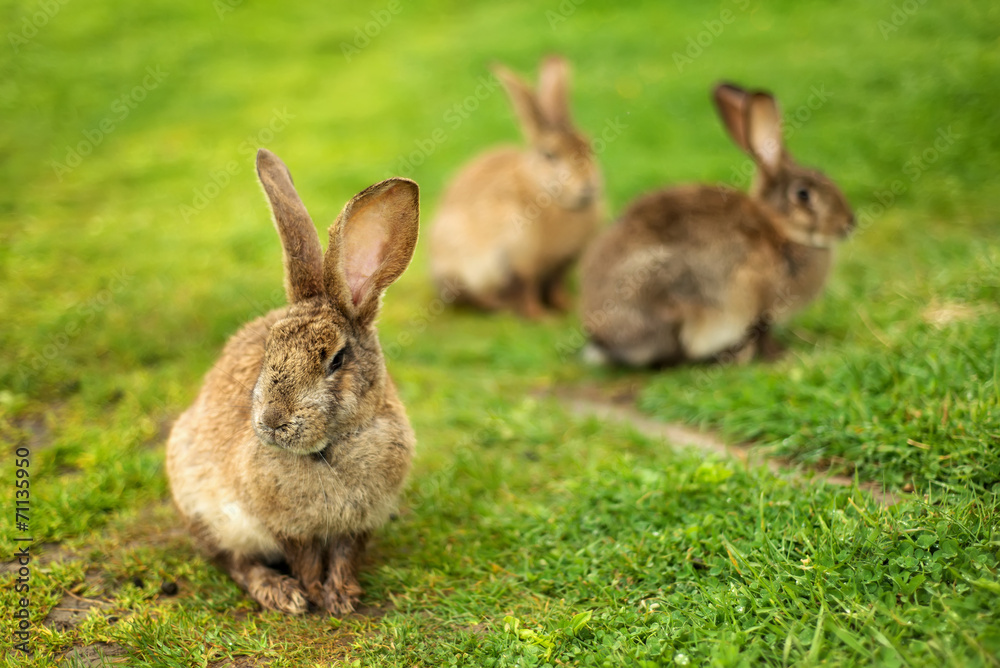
{"points": [[302, 255], [553, 91], [371, 243], [731, 102], [526, 106], [764, 132]]}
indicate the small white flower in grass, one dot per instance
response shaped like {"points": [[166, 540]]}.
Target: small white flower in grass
{"points": [[681, 659], [739, 608]]}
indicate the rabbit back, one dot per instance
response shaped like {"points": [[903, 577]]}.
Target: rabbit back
{"points": [[681, 275], [495, 223]]}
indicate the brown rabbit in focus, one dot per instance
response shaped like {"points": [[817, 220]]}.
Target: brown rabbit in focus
{"points": [[513, 222], [297, 445], [694, 272]]}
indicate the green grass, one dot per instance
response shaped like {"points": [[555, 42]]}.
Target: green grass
{"points": [[895, 375], [528, 536]]}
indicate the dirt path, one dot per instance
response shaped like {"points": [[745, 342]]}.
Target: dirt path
{"points": [[675, 434]]}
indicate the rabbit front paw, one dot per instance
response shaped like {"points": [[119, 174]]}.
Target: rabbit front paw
{"points": [[275, 591]]}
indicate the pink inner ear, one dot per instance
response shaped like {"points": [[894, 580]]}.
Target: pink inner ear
{"points": [[363, 263], [365, 248]]}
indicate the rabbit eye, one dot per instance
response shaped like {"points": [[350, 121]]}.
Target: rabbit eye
{"points": [[335, 362], [802, 194], [549, 155]]}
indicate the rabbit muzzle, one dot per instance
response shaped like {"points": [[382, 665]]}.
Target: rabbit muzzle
{"points": [[293, 431], [272, 425]]}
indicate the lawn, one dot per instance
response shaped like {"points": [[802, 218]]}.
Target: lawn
{"points": [[134, 240]]}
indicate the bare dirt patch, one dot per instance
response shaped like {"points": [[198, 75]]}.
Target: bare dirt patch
{"points": [[41, 554], [71, 611], [480, 629], [32, 429], [240, 662], [101, 654], [591, 402], [35, 430], [372, 610]]}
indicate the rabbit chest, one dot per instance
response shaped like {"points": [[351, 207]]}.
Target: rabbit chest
{"points": [[804, 272], [349, 487], [559, 235]]}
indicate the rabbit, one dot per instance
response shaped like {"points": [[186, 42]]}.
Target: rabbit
{"points": [[297, 446], [698, 272], [514, 221]]}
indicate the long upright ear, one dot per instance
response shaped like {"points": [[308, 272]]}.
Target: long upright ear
{"points": [[526, 106], [553, 91], [764, 132], [731, 102], [371, 243], [299, 241]]}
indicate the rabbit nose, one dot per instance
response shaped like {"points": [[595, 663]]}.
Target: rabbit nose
{"points": [[273, 418]]}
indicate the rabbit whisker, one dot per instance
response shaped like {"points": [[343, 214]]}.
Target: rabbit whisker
{"points": [[326, 497], [238, 381]]}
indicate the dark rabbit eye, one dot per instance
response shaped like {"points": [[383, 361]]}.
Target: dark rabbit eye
{"points": [[335, 362], [549, 155], [803, 195]]}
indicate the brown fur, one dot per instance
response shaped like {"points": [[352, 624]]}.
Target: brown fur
{"points": [[268, 587], [695, 272], [341, 590], [291, 449], [513, 221]]}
